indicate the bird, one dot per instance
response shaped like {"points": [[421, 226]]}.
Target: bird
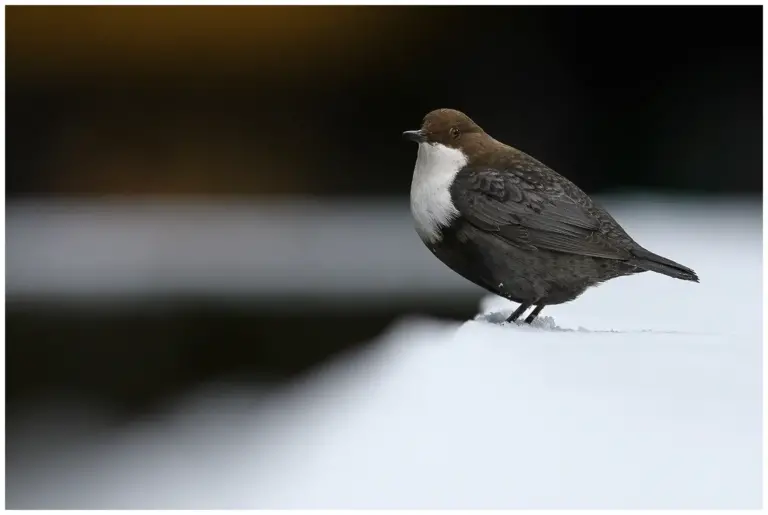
{"points": [[510, 224]]}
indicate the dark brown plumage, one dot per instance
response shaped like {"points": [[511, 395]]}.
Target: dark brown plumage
{"points": [[516, 227]]}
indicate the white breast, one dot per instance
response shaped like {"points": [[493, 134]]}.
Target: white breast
{"points": [[431, 204]]}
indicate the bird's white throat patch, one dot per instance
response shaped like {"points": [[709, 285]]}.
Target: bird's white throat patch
{"points": [[431, 204]]}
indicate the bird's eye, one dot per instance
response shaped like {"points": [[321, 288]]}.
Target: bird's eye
{"points": [[455, 132]]}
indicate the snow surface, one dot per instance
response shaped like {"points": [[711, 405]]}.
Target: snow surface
{"points": [[644, 393]]}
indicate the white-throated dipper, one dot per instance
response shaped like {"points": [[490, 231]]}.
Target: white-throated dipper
{"points": [[508, 223]]}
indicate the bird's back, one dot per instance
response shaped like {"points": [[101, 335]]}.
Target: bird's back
{"points": [[547, 184]]}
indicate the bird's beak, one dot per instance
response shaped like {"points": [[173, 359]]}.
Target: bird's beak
{"points": [[415, 136]]}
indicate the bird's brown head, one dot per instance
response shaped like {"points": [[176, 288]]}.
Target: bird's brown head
{"points": [[448, 127]]}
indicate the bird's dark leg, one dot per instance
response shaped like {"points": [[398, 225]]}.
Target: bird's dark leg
{"points": [[519, 312], [534, 313]]}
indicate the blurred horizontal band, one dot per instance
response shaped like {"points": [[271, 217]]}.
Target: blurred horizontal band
{"points": [[139, 250], [364, 252]]}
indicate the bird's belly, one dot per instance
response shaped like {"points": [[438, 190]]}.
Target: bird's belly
{"points": [[483, 260], [517, 274]]}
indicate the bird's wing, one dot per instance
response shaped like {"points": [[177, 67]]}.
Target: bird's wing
{"points": [[531, 212]]}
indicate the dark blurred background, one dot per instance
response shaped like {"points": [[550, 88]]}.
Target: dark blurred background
{"points": [[147, 148]]}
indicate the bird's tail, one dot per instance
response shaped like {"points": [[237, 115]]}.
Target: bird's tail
{"points": [[649, 261]]}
